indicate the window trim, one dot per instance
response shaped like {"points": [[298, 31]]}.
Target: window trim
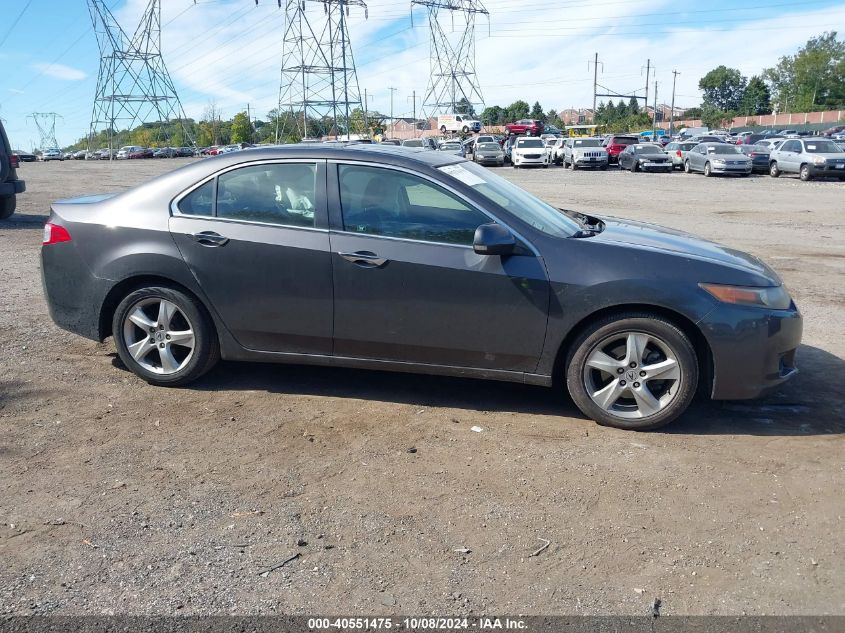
{"points": [[320, 208], [333, 187]]}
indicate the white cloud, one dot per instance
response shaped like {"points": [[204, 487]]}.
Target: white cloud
{"points": [[60, 71]]}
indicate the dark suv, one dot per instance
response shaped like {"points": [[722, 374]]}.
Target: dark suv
{"points": [[10, 186]]}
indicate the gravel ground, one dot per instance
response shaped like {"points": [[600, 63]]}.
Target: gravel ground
{"points": [[118, 497]]}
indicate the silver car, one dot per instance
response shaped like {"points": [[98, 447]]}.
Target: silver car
{"points": [[717, 158], [584, 152], [677, 151], [489, 154], [808, 158]]}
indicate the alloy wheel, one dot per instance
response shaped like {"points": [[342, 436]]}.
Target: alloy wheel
{"points": [[158, 336], [632, 375]]}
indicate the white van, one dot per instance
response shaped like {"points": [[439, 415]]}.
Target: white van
{"points": [[457, 123]]}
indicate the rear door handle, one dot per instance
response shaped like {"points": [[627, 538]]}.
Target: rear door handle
{"points": [[364, 259], [210, 238]]}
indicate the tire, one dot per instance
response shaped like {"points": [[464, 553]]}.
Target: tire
{"points": [[774, 171], [8, 206], [707, 170], [186, 315], [443, 129], [609, 337], [805, 174], [603, 167], [465, 129], [687, 168], [572, 165], [635, 167]]}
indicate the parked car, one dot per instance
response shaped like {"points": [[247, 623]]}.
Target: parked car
{"points": [[551, 129], [584, 152], [531, 127], [123, 152], [771, 142], [616, 144], [789, 133], [140, 152], [708, 138], [759, 155], [454, 147], [105, 153], [391, 141], [645, 157], [10, 184], [25, 157], [52, 154], [808, 158], [740, 138], [185, 152], [80, 155], [527, 151], [752, 139], [489, 153], [423, 262], [424, 143], [836, 129], [717, 158], [165, 152], [229, 148], [677, 152]]}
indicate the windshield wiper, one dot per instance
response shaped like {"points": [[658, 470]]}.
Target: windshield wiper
{"points": [[590, 225]]}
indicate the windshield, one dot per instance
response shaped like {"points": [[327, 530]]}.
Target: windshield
{"points": [[529, 142], [821, 147], [450, 146], [624, 140], [588, 142], [722, 149], [649, 149], [489, 147], [516, 201], [412, 143]]}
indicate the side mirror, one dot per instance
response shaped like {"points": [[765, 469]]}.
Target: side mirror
{"points": [[493, 239]]}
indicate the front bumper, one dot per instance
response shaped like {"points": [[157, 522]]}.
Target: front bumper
{"points": [[731, 169], [753, 349], [667, 166], [827, 170], [524, 160], [586, 162], [491, 161]]}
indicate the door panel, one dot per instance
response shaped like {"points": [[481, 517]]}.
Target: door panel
{"points": [[271, 285], [438, 304]]}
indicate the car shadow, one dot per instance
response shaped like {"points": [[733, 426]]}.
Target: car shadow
{"points": [[810, 404], [23, 221]]}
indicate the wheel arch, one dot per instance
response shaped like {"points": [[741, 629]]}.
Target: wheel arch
{"points": [[130, 284], [702, 348]]}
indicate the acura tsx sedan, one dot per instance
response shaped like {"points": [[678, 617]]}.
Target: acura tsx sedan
{"points": [[407, 260]]}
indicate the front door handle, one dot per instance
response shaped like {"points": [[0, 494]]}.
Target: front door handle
{"points": [[364, 259], [210, 238]]}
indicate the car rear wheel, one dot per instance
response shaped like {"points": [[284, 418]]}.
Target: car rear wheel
{"points": [[805, 174], [707, 170], [633, 371], [774, 171], [164, 336], [7, 207]]}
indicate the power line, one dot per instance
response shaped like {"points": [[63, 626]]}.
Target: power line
{"points": [[14, 24]]}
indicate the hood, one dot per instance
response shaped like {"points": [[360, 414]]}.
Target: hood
{"points": [[656, 238]]}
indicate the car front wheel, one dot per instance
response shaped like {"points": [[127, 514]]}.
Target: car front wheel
{"points": [[633, 371], [7, 206], [774, 171], [164, 336], [805, 174]]}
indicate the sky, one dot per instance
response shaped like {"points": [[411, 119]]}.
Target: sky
{"points": [[229, 51]]}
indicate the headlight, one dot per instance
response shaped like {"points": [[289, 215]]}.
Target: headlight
{"points": [[818, 160], [719, 161], [775, 297]]}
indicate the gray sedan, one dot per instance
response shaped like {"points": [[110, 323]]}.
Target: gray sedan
{"points": [[717, 158], [489, 154], [409, 260]]}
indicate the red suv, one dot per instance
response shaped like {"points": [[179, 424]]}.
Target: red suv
{"points": [[616, 144], [532, 127]]}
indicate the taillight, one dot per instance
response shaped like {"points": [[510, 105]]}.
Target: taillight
{"points": [[15, 160], [53, 234], [679, 154]]}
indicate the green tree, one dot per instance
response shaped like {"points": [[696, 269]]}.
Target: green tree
{"points": [[723, 88], [537, 112], [756, 99], [692, 113], [634, 105], [241, 128], [610, 113], [812, 79], [465, 107], [552, 118], [517, 110], [713, 117], [622, 110], [493, 115]]}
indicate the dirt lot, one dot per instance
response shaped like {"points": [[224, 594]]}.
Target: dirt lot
{"points": [[118, 497]]}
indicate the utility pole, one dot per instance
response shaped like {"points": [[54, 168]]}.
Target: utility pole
{"points": [[675, 74], [366, 115], [392, 123], [647, 77], [595, 80], [414, 101], [654, 119], [251, 129]]}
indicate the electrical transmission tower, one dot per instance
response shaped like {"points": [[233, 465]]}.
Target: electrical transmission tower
{"points": [[453, 80], [319, 87], [133, 86], [46, 124]]}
